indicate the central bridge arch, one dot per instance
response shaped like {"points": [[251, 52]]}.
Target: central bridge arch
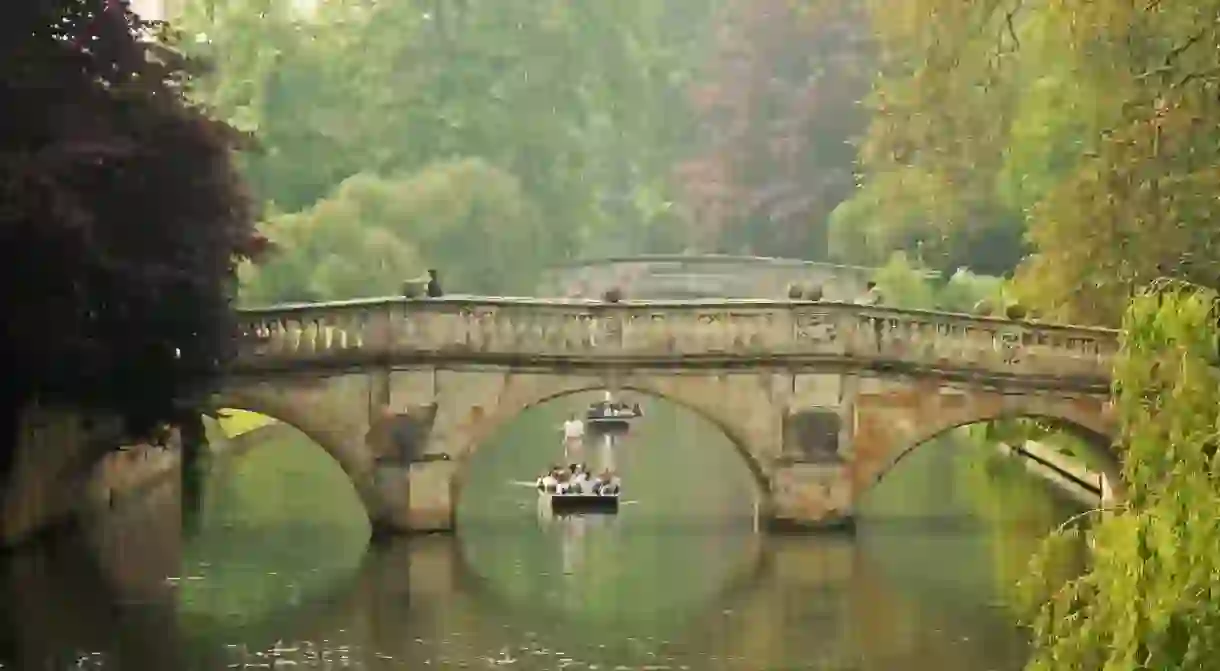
{"points": [[703, 397], [471, 405]]}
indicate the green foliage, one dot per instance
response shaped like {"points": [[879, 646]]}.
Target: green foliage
{"points": [[464, 217], [1148, 599], [965, 289], [122, 219], [1088, 129], [778, 107], [906, 284], [579, 106]]}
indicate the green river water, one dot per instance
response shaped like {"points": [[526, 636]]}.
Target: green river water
{"points": [[278, 573]]}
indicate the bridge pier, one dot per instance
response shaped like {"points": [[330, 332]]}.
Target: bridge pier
{"points": [[433, 501], [811, 497], [415, 499]]}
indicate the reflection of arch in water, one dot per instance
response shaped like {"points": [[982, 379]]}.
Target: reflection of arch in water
{"points": [[521, 397], [486, 589]]}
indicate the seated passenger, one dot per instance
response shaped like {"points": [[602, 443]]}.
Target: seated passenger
{"points": [[564, 484], [610, 484], [547, 483], [581, 484]]}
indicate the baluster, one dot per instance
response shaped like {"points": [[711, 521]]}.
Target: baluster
{"points": [[482, 328], [410, 331], [334, 332], [516, 331], [350, 331], [337, 340], [474, 329], [283, 338], [926, 341], [433, 330], [310, 330], [506, 331], [298, 336], [324, 330], [279, 336]]}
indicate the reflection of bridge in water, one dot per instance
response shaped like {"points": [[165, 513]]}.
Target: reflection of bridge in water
{"points": [[779, 599]]}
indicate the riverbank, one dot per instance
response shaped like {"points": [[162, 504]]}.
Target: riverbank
{"points": [[1067, 474]]}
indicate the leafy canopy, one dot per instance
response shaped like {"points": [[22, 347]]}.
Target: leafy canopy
{"points": [[1148, 598], [1088, 129], [122, 215]]}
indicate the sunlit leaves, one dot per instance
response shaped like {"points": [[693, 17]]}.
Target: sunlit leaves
{"points": [[1093, 122], [1148, 599]]}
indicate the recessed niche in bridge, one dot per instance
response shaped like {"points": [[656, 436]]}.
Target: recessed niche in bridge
{"points": [[401, 438], [813, 435]]}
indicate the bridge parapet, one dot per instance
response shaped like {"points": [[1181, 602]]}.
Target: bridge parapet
{"points": [[666, 334]]}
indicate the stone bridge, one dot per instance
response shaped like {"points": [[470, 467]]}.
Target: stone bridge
{"points": [[672, 276], [820, 399]]}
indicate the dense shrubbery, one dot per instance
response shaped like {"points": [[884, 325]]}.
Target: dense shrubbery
{"points": [[121, 217], [1147, 600]]}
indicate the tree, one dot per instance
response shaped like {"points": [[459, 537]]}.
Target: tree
{"points": [[1146, 600], [778, 110], [579, 102], [1094, 123], [123, 218], [466, 218]]}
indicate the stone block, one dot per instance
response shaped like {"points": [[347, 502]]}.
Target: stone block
{"points": [[431, 495], [823, 390], [812, 496]]}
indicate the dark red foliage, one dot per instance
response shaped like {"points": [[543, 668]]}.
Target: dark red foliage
{"points": [[121, 217], [779, 106]]}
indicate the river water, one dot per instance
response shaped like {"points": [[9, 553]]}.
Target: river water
{"points": [[277, 572]]}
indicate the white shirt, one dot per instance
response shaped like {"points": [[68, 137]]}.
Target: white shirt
{"points": [[573, 428], [581, 484]]}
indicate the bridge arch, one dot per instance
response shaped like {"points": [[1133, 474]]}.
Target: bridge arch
{"points": [[329, 430], [701, 395], [881, 445]]}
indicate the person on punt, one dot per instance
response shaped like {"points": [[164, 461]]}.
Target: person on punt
{"points": [[548, 482], [610, 484], [573, 437], [565, 482], [581, 484]]}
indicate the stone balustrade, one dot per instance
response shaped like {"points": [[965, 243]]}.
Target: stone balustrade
{"points": [[667, 276], [665, 333]]}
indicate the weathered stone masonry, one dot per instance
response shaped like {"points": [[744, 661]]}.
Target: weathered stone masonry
{"points": [[820, 399]]}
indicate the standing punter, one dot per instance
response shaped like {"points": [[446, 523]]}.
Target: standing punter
{"points": [[573, 440]]}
